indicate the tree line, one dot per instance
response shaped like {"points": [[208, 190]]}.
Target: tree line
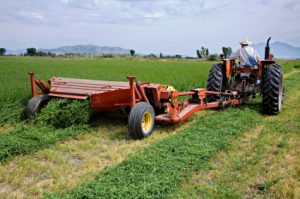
{"points": [[203, 52], [34, 52]]}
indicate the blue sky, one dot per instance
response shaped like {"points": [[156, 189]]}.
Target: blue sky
{"points": [[148, 26]]}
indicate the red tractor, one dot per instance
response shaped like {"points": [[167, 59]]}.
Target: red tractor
{"points": [[265, 78]]}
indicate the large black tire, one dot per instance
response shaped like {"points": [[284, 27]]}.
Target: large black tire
{"points": [[141, 122], [35, 105], [216, 81], [272, 89]]}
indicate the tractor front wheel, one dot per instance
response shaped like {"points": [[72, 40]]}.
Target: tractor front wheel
{"points": [[141, 120], [272, 89], [35, 105]]}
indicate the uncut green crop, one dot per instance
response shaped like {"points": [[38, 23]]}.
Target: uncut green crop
{"points": [[14, 80], [183, 75]]}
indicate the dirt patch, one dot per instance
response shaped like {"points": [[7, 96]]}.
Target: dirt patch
{"points": [[5, 188], [6, 128]]}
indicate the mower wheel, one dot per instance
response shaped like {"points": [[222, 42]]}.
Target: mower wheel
{"points": [[141, 122], [35, 105], [272, 89], [215, 81]]}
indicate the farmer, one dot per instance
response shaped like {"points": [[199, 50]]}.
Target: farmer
{"points": [[247, 56]]}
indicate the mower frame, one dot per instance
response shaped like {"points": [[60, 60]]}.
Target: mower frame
{"points": [[111, 95]]}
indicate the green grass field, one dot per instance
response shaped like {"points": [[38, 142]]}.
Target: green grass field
{"points": [[233, 153], [181, 74]]}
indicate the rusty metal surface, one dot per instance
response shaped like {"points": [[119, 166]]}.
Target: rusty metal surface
{"points": [[82, 88]]}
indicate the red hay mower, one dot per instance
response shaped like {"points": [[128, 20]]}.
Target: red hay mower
{"points": [[151, 103]]}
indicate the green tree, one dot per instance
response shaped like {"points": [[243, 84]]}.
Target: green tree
{"points": [[206, 52], [2, 51], [161, 55], [132, 52], [202, 51], [31, 51], [227, 52], [198, 54]]}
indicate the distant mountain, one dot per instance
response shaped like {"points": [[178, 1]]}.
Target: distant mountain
{"points": [[87, 49], [81, 49], [15, 52], [279, 49]]}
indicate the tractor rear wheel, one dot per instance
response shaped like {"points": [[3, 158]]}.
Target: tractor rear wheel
{"points": [[141, 122], [216, 81], [272, 89], [35, 105]]}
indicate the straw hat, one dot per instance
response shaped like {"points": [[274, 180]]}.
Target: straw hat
{"points": [[245, 41]]}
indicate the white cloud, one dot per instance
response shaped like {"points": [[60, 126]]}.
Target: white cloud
{"points": [[65, 1], [154, 15], [37, 15]]}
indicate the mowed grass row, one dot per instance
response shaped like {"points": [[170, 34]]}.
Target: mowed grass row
{"points": [[263, 163], [158, 170], [58, 120]]}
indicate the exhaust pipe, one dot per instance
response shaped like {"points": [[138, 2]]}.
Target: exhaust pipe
{"points": [[267, 49]]}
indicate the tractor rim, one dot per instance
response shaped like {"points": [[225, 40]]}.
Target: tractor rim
{"points": [[147, 121]]}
